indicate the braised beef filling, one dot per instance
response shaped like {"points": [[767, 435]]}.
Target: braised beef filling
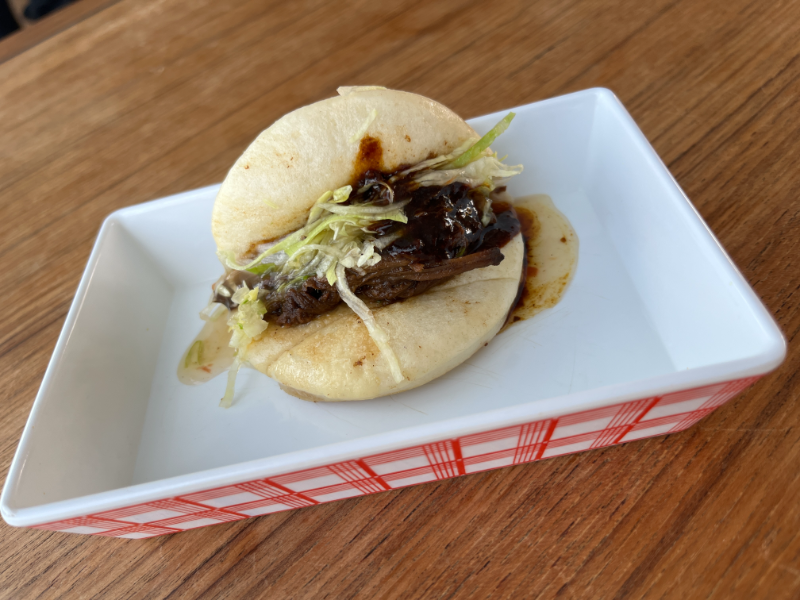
{"points": [[451, 229]]}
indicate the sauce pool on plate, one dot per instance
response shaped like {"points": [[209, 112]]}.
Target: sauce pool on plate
{"points": [[551, 248]]}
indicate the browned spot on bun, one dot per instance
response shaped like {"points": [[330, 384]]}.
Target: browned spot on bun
{"points": [[563, 240], [408, 139], [247, 166]]}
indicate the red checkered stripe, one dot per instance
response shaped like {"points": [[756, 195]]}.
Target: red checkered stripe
{"points": [[504, 447]]}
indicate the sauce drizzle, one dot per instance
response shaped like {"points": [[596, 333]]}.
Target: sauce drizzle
{"points": [[551, 248]]}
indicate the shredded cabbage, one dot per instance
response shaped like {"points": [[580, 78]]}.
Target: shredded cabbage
{"points": [[432, 163], [366, 210], [377, 334], [480, 172], [233, 371], [194, 355], [472, 163], [487, 212], [246, 323], [342, 194], [481, 145]]}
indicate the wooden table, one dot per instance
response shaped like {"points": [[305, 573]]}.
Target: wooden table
{"points": [[142, 99]]}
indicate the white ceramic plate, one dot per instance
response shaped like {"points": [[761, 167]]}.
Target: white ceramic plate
{"points": [[655, 308]]}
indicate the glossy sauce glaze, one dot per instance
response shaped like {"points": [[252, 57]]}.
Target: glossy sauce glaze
{"points": [[447, 222], [551, 248], [209, 353]]}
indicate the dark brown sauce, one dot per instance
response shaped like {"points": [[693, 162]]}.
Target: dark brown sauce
{"points": [[444, 222], [529, 224], [502, 231], [369, 157], [550, 257], [529, 227]]}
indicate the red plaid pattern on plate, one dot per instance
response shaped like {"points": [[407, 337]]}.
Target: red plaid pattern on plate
{"points": [[138, 532], [493, 449]]}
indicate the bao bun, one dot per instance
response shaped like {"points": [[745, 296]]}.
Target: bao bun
{"points": [[269, 192]]}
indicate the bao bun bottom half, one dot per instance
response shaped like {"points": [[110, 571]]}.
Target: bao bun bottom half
{"points": [[269, 192]]}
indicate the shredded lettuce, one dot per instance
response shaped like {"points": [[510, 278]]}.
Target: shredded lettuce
{"points": [[480, 172], [330, 273], [338, 232], [472, 163], [316, 211], [342, 194], [364, 210], [481, 145], [486, 217], [377, 334], [246, 323], [195, 355], [263, 268], [233, 371], [432, 163]]}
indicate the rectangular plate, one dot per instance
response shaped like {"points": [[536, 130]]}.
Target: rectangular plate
{"points": [[657, 329]]}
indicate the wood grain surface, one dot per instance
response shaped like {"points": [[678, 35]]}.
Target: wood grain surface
{"points": [[146, 98], [34, 32]]}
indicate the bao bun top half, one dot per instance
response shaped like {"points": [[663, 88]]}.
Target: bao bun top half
{"points": [[271, 188]]}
